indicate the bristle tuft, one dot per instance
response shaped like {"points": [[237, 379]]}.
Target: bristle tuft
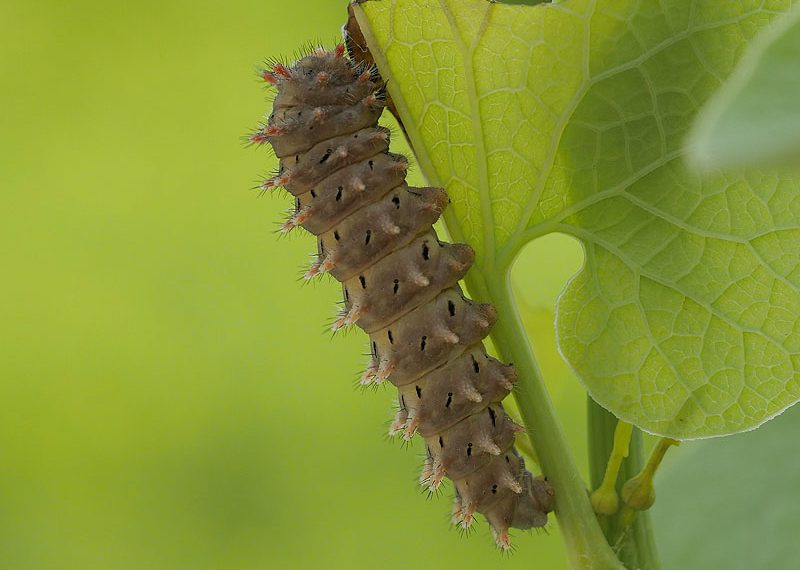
{"points": [[282, 71]]}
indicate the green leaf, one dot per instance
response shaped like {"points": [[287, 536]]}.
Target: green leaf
{"points": [[732, 504], [570, 117], [755, 118]]}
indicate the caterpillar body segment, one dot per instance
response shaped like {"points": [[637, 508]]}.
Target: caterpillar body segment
{"points": [[398, 217], [400, 285], [454, 391], [347, 190]]}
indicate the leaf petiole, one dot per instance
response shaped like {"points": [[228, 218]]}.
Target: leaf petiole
{"points": [[605, 500], [638, 492]]}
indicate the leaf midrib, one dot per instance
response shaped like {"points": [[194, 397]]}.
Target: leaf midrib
{"points": [[467, 54], [519, 236]]}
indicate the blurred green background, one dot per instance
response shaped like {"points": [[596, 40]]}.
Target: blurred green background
{"points": [[170, 397]]}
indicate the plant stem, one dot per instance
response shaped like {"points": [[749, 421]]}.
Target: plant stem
{"points": [[634, 545], [586, 545]]}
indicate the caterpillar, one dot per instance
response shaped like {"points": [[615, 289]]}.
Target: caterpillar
{"points": [[400, 284]]}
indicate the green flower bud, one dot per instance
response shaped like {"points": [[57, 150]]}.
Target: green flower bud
{"points": [[638, 493], [605, 502]]}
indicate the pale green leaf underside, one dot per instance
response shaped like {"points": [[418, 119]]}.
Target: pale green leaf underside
{"points": [[732, 504], [755, 118], [570, 117]]}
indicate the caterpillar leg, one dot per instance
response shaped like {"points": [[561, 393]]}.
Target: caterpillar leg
{"points": [[468, 515], [439, 472], [501, 539], [368, 375], [384, 371], [347, 318], [410, 428], [400, 421]]}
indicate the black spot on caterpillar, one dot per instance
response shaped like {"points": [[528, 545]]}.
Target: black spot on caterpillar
{"points": [[375, 236]]}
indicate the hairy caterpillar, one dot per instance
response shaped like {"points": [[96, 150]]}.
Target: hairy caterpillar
{"points": [[400, 285]]}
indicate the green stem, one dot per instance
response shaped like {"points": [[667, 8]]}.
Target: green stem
{"points": [[586, 545], [635, 545]]}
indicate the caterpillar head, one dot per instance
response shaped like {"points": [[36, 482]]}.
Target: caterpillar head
{"points": [[535, 503]]}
